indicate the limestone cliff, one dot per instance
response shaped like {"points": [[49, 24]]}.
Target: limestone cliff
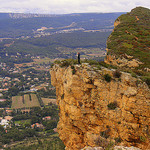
{"points": [[95, 110]]}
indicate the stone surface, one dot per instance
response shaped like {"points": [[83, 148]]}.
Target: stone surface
{"points": [[83, 99], [126, 61], [125, 148], [92, 148]]}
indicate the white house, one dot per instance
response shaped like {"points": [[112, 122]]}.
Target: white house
{"points": [[4, 123]]}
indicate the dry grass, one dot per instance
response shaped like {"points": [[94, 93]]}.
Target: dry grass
{"points": [[48, 100]]}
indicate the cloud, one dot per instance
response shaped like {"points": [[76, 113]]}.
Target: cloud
{"points": [[70, 6]]}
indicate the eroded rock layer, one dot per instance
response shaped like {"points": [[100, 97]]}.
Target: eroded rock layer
{"points": [[92, 107]]}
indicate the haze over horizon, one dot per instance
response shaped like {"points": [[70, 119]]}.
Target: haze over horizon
{"points": [[70, 6]]}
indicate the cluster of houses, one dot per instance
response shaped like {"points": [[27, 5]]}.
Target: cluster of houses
{"points": [[4, 67], [6, 122], [8, 81]]}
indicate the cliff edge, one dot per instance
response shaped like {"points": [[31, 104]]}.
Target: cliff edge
{"points": [[101, 107]]}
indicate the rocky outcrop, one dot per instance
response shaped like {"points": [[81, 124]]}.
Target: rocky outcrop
{"points": [[123, 61], [95, 110], [115, 148]]}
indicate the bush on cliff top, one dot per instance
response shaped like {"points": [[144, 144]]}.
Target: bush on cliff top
{"points": [[107, 77], [112, 105]]}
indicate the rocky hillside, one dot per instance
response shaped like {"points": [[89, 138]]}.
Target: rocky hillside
{"points": [[101, 107], [129, 43], [106, 107]]}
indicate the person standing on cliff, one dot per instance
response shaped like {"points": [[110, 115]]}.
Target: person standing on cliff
{"points": [[78, 58]]}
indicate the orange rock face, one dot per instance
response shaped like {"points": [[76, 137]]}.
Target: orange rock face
{"points": [[91, 107]]}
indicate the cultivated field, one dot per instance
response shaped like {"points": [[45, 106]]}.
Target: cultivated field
{"points": [[25, 101], [48, 100]]}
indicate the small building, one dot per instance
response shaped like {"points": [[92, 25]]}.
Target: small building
{"points": [[36, 79], [4, 123], [47, 118], [9, 111], [2, 100], [8, 118]]}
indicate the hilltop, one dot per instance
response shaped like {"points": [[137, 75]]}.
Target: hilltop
{"points": [[128, 46]]}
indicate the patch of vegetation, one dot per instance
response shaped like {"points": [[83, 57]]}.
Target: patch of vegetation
{"points": [[147, 80], [67, 62], [107, 77], [102, 63], [91, 62], [118, 140], [101, 142], [104, 143], [142, 139], [66, 114], [73, 69], [80, 104], [62, 96], [112, 105], [110, 145], [105, 133], [116, 74]]}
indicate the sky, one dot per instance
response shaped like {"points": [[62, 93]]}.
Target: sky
{"points": [[70, 6]]}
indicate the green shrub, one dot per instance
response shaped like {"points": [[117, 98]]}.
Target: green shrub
{"points": [[73, 70], [117, 74], [105, 133], [110, 146], [112, 105], [102, 142], [65, 63], [119, 122], [91, 62], [142, 139], [118, 140], [133, 75], [147, 80], [68, 62], [62, 96], [127, 45], [57, 62], [107, 77]]}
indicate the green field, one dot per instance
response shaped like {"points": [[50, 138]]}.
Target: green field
{"points": [[25, 101]]}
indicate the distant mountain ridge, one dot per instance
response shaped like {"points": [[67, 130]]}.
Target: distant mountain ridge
{"points": [[23, 15], [32, 15]]}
